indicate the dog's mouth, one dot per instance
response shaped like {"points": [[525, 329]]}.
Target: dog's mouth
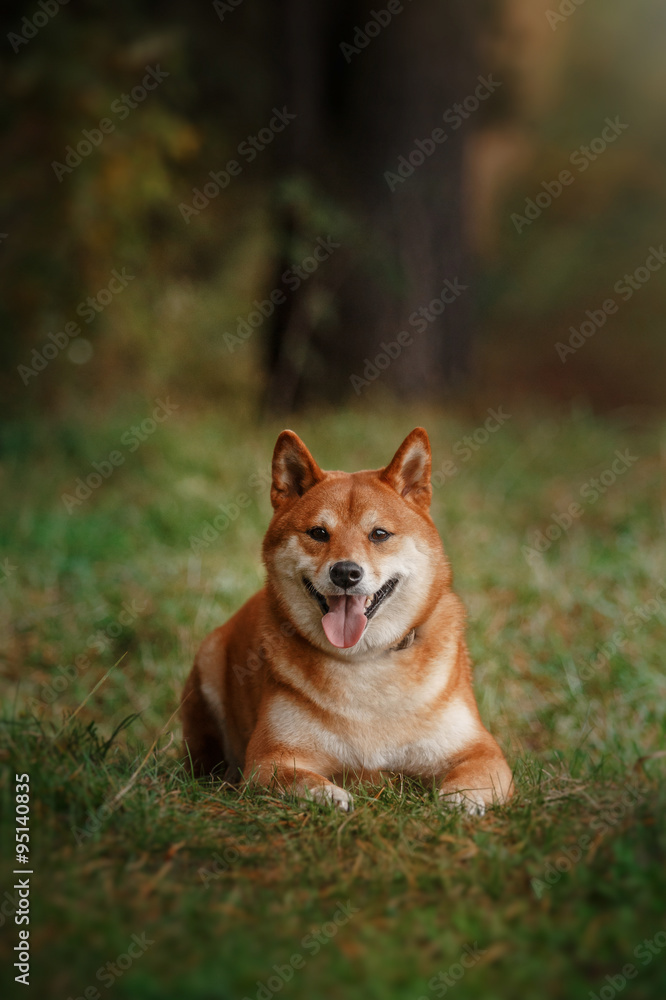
{"points": [[346, 616]]}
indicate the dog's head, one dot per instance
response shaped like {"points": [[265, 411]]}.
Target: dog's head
{"points": [[353, 558]]}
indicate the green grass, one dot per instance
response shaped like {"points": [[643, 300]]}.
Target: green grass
{"points": [[228, 885]]}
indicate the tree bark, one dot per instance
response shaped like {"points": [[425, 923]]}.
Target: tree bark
{"points": [[357, 114]]}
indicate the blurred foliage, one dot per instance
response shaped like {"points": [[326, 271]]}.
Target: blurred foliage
{"points": [[543, 279], [119, 208]]}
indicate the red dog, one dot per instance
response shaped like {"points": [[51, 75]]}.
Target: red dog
{"points": [[352, 660]]}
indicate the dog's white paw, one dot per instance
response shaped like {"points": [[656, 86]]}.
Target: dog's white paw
{"points": [[471, 801], [326, 794]]}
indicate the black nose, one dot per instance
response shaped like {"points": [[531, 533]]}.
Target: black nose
{"points": [[346, 574]]}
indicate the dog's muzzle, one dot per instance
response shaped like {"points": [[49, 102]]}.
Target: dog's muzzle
{"points": [[345, 616]]}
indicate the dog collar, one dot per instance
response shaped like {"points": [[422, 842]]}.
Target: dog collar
{"points": [[406, 642]]}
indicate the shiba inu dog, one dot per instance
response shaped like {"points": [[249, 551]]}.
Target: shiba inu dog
{"points": [[351, 662]]}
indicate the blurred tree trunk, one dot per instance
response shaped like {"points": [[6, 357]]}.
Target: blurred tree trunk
{"points": [[358, 112]]}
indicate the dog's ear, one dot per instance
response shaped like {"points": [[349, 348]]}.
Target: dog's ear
{"points": [[409, 470], [294, 469]]}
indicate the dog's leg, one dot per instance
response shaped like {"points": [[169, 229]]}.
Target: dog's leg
{"points": [[201, 732], [294, 775], [478, 779]]}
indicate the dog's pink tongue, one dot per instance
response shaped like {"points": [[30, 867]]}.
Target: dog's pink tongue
{"points": [[345, 621]]}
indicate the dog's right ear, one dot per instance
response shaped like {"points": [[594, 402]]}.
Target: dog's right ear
{"points": [[294, 470], [409, 470]]}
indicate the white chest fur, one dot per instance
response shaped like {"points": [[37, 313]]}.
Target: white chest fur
{"points": [[374, 720]]}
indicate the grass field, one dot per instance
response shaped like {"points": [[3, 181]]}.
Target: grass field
{"points": [[220, 894]]}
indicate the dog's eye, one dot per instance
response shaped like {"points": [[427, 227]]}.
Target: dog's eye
{"points": [[379, 535], [319, 534]]}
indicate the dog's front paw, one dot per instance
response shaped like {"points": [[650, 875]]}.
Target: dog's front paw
{"points": [[331, 793], [473, 802]]}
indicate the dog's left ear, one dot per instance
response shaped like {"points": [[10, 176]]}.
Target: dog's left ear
{"points": [[294, 469], [409, 470]]}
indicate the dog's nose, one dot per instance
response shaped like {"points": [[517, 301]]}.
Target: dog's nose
{"points": [[346, 574]]}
